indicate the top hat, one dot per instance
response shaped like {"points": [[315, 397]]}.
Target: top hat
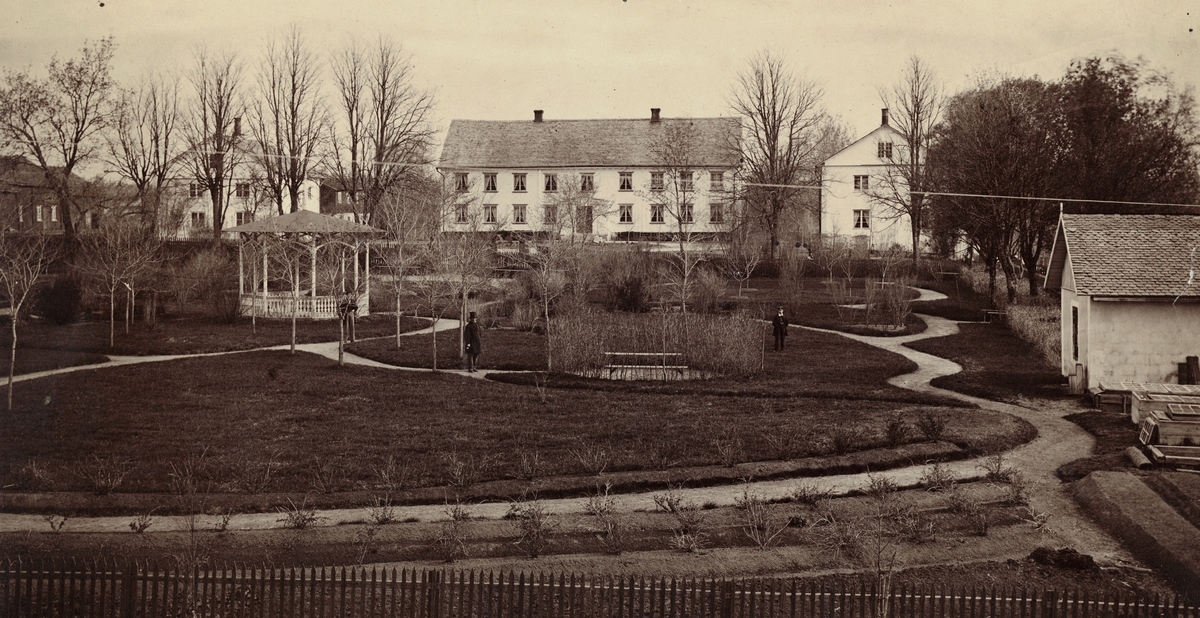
{"points": [[471, 315]]}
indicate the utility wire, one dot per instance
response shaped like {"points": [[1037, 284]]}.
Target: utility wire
{"points": [[1053, 199]]}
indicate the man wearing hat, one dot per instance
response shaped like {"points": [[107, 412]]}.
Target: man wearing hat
{"points": [[779, 324], [471, 344]]}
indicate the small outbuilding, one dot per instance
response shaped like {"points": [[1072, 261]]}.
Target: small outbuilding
{"points": [[1130, 294]]}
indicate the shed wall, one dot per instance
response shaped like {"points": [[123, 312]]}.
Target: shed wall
{"points": [[1140, 341]]}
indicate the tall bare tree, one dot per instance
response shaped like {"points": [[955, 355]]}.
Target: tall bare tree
{"points": [[24, 260], [144, 146], [783, 127], [382, 134], [408, 220], [213, 127], [673, 199], [57, 121], [288, 117], [915, 105]]}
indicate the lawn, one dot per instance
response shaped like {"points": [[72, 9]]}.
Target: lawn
{"points": [[813, 302], [996, 364], [1114, 433], [503, 348], [193, 335], [813, 365], [310, 423], [33, 360]]}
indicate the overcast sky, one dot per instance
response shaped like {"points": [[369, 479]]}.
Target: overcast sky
{"points": [[617, 59]]}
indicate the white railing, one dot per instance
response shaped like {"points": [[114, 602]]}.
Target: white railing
{"points": [[279, 305]]}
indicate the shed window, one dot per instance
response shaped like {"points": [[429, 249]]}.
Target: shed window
{"points": [[1074, 332]]}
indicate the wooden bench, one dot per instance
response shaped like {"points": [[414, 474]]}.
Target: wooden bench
{"points": [[992, 315], [947, 274], [636, 363]]}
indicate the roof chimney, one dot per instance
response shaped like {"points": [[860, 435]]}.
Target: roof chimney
{"points": [[537, 115], [237, 127], [654, 114], [885, 118]]}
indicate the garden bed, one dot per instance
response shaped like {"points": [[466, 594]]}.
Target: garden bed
{"points": [[309, 423], [996, 364]]}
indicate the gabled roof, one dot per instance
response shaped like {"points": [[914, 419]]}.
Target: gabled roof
{"points": [[578, 143], [883, 128], [304, 222], [1128, 255]]}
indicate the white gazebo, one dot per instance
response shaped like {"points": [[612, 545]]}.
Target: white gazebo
{"points": [[287, 238]]}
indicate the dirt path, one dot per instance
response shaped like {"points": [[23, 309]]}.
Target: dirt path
{"points": [[1059, 441]]}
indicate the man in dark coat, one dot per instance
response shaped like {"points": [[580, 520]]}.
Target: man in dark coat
{"points": [[471, 343], [779, 326]]}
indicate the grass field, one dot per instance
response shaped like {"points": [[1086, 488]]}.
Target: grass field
{"points": [[304, 417], [33, 360], [503, 348], [996, 364]]}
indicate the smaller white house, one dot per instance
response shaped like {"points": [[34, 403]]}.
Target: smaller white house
{"points": [[1130, 294], [848, 179], [245, 201]]}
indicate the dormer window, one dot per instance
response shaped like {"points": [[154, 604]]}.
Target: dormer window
{"points": [[885, 150]]}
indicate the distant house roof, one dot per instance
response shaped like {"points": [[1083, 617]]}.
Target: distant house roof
{"points": [[578, 143], [1128, 255], [304, 222]]}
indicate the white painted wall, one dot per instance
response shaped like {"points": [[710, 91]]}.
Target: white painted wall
{"points": [[1138, 341], [839, 198]]}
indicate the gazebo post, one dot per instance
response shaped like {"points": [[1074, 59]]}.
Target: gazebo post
{"points": [[312, 273], [356, 249], [368, 274], [342, 260], [265, 292]]}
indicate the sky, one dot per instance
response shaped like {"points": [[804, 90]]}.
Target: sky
{"points": [[619, 58]]}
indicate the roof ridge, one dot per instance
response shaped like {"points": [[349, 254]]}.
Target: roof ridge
{"points": [[646, 120]]}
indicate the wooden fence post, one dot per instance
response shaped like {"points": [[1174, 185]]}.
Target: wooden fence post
{"points": [[726, 599], [127, 589]]}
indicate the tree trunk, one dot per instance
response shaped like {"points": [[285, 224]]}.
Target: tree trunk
{"points": [[128, 307], [112, 315], [546, 314], [433, 330], [12, 359], [341, 339], [397, 318]]}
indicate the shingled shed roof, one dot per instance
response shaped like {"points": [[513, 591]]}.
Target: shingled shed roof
{"points": [[578, 143], [1128, 255], [305, 222]]}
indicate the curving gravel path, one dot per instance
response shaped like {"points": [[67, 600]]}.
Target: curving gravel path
{"points": [[1059, 441]]}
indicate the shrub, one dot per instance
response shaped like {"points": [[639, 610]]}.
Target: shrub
{"points": [[1039, 326], [937, 478], [729, 449], [464, 470], [757, 522], [36, 476], [524, 315], [298, 516], [62, 301], [450, 540], [787, 442], [610, 528], [708, 288], [897, 430], [810, 494], [533, 525], [210, 276], [594, 457], [380, 510], [106, 474], [931, 425], [881, 488], [995, 471], [847, 438]]}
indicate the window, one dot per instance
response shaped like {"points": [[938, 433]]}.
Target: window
{"points": [[20, 214], [194, 190], [656, 213], [716, 212], [716, 181], [656, 181], [197, 220], [550, 216], [37, 213], [244, 217], [685, 181], [551, 183], [460, 182], [1074, 332], [626, 213], [626, 181], [861, 183], [243, 189], [862, 219], [460, 213], [519, 213], [54, 213], [587, 182], [885, 150], [519, 182], [489, 182], [685, 213], [489, 213]]}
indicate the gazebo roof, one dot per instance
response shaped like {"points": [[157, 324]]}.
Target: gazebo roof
{"points": [[305, 222]]}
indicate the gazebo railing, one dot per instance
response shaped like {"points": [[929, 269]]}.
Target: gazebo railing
{"points": [[279, 305]]}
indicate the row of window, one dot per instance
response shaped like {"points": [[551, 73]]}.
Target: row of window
{"points": [[241, 189], [587, 181], [200, 219], [658, 213], [40, 213]]}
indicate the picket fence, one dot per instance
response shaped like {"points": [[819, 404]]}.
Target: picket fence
{"points": [[133, 590]]}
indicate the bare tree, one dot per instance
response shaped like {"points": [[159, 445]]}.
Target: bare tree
{"points": [[288, 252], [783, 127], [144, 148], [57, 121], [743, 251], [382, 133], [115, 257], [288, 117], [213, 127], [24, 260], [673, 197], [407, 219], [915, 105]]}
